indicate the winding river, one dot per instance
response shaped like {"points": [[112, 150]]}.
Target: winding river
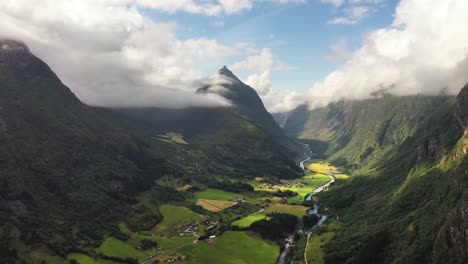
{"points": [[313, 211]]}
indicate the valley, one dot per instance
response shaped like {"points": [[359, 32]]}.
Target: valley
{"points": [[383, 181], [214, 225]]}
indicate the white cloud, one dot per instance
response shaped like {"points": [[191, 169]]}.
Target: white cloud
{"points": [[205, 7], [339, 51], [235, 6], [259, 62], [336, 3], [282, 101], [411, 56], [259, 66], [110, 54], [218, 24], [352, 15], [366, 1], [353, 11], [261, 82]]}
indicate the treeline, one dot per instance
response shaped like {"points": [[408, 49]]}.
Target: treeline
{"points": [[277, 227], [236, 187]]}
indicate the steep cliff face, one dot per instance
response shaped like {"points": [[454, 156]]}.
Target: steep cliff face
{"points": [[452, 240]]}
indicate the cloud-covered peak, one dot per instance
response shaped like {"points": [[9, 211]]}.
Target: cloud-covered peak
{"points": [[14, 52]]}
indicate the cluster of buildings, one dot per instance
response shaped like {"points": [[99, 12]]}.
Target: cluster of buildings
{"points": [[293, 184], [238, 200], [176, 259], [188, 229], [191, 228]]}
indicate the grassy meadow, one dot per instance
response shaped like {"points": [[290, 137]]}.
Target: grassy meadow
{"points": [[297, 210], [216, 194], [314, 251], [169, 244], [316, 176], [113, 247], [248, 220], [174, 216], [233, 248]]}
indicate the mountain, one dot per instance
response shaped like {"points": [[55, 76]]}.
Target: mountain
{"points": [[247, 103], [65, 169], [406, 200], [71, 173], [359, 134], [243, 136], [279, 117]]}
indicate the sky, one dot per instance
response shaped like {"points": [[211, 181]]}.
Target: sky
{"points": [[158, 52]]}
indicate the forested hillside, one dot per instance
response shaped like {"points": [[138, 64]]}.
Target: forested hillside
{"points": [[407, 156]]}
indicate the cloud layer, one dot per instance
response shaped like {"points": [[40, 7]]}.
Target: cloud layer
{"points": [[111, 54], [207, 7], [353, 11], [425, 50]]}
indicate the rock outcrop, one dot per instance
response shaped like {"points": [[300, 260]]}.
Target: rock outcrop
{"points": [[454, 234]]}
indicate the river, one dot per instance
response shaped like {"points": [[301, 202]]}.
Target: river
{"points": [[314, 210]]}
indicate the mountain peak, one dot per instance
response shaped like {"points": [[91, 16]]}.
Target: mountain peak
{"points": [[226, 72], [13, 52]]}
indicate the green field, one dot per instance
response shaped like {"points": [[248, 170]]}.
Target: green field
{"points": [[314, 251], [248, 220], [174, 216], [113, 247], [316, 176], [311, 181], [43, 255], [81, 258], [215, 194], [341, 176], [169, 243], [232, 248], [319, 166], [297, 210]]}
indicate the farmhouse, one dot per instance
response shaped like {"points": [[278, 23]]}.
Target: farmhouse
{"points": [[188, 229], [238, 199]]}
